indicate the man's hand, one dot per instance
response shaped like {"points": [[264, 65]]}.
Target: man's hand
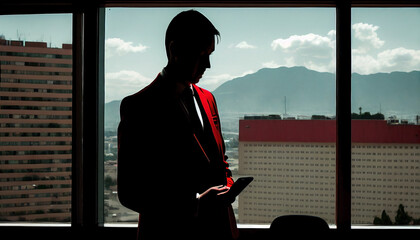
{"points": [[216, 194], [214, 191]]}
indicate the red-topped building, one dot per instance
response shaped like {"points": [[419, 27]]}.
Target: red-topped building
{"points": [[363, 131], [293, 163]]}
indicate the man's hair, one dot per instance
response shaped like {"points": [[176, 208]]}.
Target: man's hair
{"points": [[190, 29]]}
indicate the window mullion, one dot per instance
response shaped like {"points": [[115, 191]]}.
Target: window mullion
{"points": [[343, 112], [77, 123], [88, 121]]}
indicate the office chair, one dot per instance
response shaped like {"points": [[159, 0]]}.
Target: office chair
{"points": [[298, 226]]}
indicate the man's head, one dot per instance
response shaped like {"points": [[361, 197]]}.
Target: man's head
{"points": [[189, 41]]}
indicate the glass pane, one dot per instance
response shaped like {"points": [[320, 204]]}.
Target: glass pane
{"points": [[385, 116], [273, 76], [35, 118]]}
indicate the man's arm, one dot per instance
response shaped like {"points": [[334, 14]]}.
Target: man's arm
{"points": [[215, 120], [139, 174], [229, 178], [127, 167]]}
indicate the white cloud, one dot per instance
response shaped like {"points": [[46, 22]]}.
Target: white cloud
{"points": [[271, 64], [310, 50], [244, 45], [123, 83], [214, 81], [117, 46], [299, 42], [127, 82], [317, 52], [331, 34], [366, 59], [365, 64], [366, 33], [398, 59], [401, 59]]}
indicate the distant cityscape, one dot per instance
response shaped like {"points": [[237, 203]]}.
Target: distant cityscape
{"points": [[293, 163]]}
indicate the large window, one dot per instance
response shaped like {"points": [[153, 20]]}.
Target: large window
{"points": [[283, 132], [272, 67], [385, 116], [35, 118]]}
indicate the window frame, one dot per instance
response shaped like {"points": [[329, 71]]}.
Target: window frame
{"points": [[88, 100]]}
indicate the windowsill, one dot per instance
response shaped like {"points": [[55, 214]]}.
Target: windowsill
{"points": [[267, 226], [240, 226], [243, 226], [29, 224], [357, 227]]}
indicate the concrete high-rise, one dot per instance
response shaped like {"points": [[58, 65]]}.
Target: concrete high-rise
{"points": [[35, 131], [293, 163]]}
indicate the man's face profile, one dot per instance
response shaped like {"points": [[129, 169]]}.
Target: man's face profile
{"points": [[202, 63], [193, 62]]}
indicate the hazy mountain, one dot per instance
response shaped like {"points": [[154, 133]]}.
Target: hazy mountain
{"points": [[112, 115], [396, 92], [307, 92], [266, 90]]}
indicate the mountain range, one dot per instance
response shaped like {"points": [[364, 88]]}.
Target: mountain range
{"points": [[300, 91]]}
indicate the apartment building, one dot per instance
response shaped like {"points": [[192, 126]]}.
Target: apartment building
{"points": [[35, 131], [293, 163]]}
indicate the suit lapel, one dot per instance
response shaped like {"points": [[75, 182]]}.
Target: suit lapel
{"points": [[211, 116]]}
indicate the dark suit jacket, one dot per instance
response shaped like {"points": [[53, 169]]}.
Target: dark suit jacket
{"points": [[162, 166]]}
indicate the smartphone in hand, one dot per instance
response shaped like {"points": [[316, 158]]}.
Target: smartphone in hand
{"points": [[237, 187]]}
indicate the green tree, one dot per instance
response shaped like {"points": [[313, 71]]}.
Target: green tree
{"points": [[109, 182], [402, 217], [383, 220]]}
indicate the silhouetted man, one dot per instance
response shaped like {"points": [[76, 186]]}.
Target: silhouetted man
{"points": [[172, 166]]}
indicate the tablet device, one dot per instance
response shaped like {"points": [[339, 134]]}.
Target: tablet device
{"points": [[237, 187]]}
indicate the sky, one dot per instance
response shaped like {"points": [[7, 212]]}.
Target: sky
{"points": [[383, 40], [55, 29]]}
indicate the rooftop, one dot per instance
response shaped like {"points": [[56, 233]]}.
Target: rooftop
{"points": [[363, 131]]}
